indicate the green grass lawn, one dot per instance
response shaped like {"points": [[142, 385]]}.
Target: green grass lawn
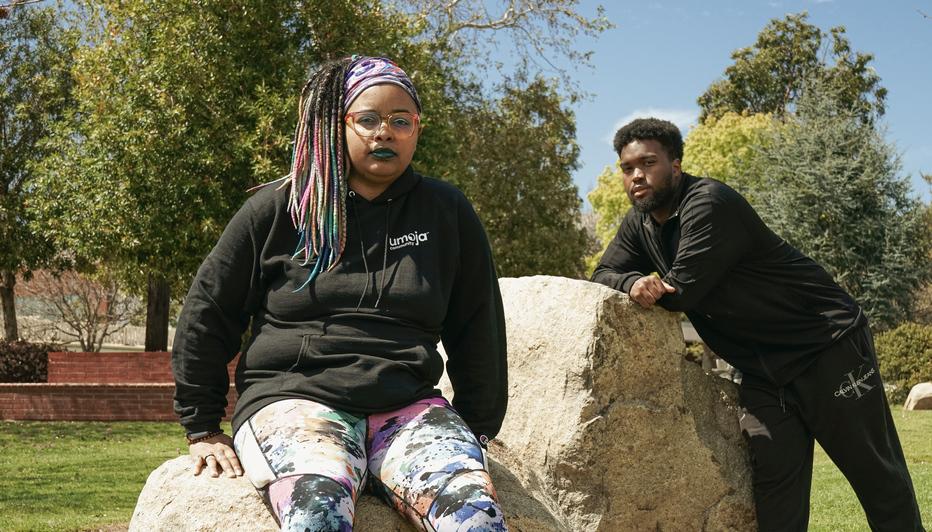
{"points": [[84, 476], [78, 476]]}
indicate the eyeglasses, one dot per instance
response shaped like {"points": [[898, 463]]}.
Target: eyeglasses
{"points": [[369, 123]]}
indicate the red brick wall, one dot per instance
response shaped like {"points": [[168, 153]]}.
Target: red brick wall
{"points": [[100, 387], [103, 368], [92, 402]]}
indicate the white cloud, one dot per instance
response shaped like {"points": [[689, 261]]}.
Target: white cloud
{"points": [[683, 118]]}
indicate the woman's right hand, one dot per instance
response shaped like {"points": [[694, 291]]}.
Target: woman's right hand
{"points": [[216, 454]]}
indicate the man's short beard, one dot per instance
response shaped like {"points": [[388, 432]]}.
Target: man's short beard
{"points": [[659, 198]]}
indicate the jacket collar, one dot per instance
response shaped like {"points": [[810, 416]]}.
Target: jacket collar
{"points": [[686, 182]]}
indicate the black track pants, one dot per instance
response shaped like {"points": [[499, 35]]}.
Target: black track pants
{"points": [[840, 402]]}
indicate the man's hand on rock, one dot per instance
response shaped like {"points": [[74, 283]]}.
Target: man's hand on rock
{"points": [[215, 454], [648, 289]]}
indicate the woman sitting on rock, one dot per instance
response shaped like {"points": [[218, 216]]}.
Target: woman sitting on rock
{"points": [[350, 272]]}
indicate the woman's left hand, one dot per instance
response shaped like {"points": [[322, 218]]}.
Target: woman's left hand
{"points": [[216, 454]]}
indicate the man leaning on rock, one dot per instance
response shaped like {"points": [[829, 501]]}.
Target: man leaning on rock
{"points": [[801, 342]]}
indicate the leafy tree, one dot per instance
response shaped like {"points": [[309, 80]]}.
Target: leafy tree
{"points": [[35, 56], [610, 204], [724, 147], [522, 183], [832, 187], [922, 313], [769, 77], [158, 150]]}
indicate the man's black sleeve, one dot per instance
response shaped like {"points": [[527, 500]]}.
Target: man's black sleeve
{"points": [[624, 261], [713, 238]]}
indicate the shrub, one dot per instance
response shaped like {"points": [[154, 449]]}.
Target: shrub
{"points": [[905, 357], [25, 361]]}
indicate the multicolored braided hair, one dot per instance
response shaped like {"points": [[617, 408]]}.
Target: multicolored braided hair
{"points": [[320, 167]]}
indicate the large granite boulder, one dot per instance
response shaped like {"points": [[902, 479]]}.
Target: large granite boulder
{"points": [[920, 397], [609, 428], [608, 425]]}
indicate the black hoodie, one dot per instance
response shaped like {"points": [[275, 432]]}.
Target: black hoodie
{"points": [[361, 337], [757, 301]]}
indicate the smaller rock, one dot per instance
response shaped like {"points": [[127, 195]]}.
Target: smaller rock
{"points": [[920, 397]]}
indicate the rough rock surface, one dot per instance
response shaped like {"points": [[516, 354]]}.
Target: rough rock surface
{"points": [[608, 429], [920, 397], [607, 424]]}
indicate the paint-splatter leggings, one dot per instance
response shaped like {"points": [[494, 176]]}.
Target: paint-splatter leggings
{"points": [[310, 462]]}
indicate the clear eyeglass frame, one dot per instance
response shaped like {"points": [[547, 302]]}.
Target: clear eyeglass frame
{"points": [[363, 123]]}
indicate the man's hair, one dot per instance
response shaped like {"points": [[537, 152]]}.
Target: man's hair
{"points": [[664, 132]]}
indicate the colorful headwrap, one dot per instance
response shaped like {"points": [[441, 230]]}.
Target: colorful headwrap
{"points": [[364, 72]]}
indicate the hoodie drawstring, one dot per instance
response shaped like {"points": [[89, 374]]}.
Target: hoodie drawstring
{"points": [[388, 221], [362, 250]]}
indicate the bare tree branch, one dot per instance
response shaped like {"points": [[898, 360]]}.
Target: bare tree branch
{"points": [[21, 3], [5, 8], [82, 308], [535, 30]]}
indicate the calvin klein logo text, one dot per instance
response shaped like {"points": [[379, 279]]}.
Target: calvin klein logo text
{"points": [[855, 386]]}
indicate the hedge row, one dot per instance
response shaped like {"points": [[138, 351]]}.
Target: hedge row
{"points": [[25, 361], [905, 358]]}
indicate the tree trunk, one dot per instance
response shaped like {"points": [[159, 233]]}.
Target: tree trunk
{"points": [[8, 306], [157, 314]]}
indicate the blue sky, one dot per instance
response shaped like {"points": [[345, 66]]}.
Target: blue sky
{"points": [[663, 54]]}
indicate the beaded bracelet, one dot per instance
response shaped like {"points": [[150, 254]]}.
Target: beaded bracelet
{"points": [[207, 436]]}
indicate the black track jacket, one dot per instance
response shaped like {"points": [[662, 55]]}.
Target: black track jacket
{"points": [[757, 301], [329, 341]]}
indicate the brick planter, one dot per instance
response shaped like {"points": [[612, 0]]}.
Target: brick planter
{"points": [[99, 387], [91, 402], [114, 368]]}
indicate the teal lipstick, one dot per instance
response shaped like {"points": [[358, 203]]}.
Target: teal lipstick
{"points": [[383, 153]]}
